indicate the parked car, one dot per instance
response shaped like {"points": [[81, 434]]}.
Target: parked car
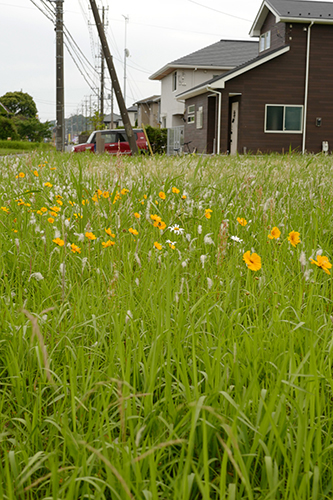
{"points": [[114, 140]]}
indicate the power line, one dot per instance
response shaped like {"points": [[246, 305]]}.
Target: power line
{"points": [[220, 12]]}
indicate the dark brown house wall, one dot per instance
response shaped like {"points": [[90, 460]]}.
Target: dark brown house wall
{"points": [[279, 81], [320, 99], [197, 137], [278, 32]]}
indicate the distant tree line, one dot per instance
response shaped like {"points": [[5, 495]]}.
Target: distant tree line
{"points": [[19, 120]]}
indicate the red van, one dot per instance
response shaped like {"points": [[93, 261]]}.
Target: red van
{"points": [[114, 140]]}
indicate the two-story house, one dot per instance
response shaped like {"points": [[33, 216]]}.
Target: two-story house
{"points": [[194, 69], [280, 100]]}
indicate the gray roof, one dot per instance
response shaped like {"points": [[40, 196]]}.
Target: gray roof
{"points": [[302, 9], [153, 98], [225, 54]]}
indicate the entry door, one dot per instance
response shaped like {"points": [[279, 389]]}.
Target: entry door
{"points": [[234, 128]]}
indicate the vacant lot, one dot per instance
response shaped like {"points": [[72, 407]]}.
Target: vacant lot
{"points": [[166, 328]]}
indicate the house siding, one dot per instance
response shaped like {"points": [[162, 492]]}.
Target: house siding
{"points": [[278, 32], [281, 81], [197, 137]]}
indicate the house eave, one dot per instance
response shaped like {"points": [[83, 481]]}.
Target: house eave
{"points": [[170, 68]]}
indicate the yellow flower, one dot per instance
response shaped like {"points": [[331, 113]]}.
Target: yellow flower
{"points": [[106, 194], [175, 190], [161, 194], [133, 231], [155, 218], [78, 215], [5, 209], [43, 209], [136, 215], [90, 236], [50, 220], [54, 214], [160, 224], [59, 242], [59, 202], [95, 198], [75, 248], [294, 238], [85, 202], [253, 261], [71, 203], [158, 245], [36, 173], [48, 184], [322, 262], [145, 196], [21, 175], [274, 234], [184, 197], [208, 212], [39, 212], [109, 233], [108, 243], [124, 191], [242, 221]]}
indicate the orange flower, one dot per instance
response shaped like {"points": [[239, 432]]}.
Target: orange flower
{"points": [[108, 243], [75, 248], [133, 231], [274, 234], [158, 245], [161, 194], [109, 233], [322, 262], [241, 221], [175, 190], [294, 238], [59, 242], [253, 261], [90, 236]]}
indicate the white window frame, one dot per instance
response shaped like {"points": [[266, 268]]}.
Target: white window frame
{"points": [[284, 131], [265, 41], [191, 113], [200, 117]]}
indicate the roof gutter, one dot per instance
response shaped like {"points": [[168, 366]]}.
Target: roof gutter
{"points": [[218, 118], [306, 89]]}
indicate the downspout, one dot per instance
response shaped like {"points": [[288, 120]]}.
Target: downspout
{"points": [[306, 90], [218, 119]]}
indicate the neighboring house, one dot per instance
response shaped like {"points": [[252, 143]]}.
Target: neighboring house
{"points": [[117, 120], [281, 100], [196, 68], [149, 111]]}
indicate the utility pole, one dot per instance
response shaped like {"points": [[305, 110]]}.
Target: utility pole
{"points": [[60, 99], [102, 69], [115, 83]]}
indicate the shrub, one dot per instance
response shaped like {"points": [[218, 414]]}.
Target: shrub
{"points": [[7, 129], [158, 138]]}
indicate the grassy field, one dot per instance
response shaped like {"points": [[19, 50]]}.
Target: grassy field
{"points": [[166, 328]]}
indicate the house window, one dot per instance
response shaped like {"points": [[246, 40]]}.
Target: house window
{"points": [[191, 113], [174, 81], [283, 118], [265, 41], [200, 117]]}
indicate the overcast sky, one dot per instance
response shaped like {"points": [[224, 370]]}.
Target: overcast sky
{"points": [[158, 32]]}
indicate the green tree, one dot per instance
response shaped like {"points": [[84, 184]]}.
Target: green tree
{"points": [[20, 103], [7, 129], [158, 138], [33, 129]]}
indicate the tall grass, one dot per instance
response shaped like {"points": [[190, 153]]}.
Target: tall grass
{"points": [[133, 372]]}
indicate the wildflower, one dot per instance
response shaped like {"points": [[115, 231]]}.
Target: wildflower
{"points": [[108, 243], [59, 241], [294, 238], [208, 212], [133, 231], [75, 248], [90, 236], [160, 224], [21, 175], [36, 173], [106, 194], [109, 233], [176, 229], [43, 209], [37, 276], [155, 218], [302, 259], [48, 184], [158, 245], [274, 234], [209, 283], [124, 191], [175, 190], [184, 197], [171, 244], [145, 196], [85, 202], [235, 238], [136, 215], [78, 216], [241, 221], [50, 220], [161, 194], [203, 259], [253, 261], [323, 263], [5, 209]]}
